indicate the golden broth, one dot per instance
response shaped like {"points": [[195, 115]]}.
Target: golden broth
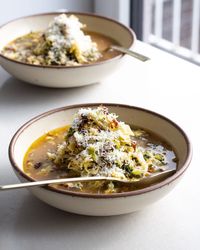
{"points": [[38, 166], [21, 49]]}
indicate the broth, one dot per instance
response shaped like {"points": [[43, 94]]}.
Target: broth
{"points": [[21, 49], [38, 166]]}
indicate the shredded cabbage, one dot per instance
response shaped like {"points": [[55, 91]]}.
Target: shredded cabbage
{"points": [[65, 42], [97, 144]]}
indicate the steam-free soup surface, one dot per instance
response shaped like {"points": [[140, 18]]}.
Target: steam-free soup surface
{"points": [[65, 42], [22, 49], [38, 166]]}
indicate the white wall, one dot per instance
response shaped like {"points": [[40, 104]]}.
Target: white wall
{"points": [[10, 9], [116, 9]]}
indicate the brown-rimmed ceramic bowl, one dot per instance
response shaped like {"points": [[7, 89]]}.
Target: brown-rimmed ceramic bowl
{"points": [[102, 204], [64, 76]]}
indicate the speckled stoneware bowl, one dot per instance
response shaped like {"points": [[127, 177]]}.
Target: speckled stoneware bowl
{"points": [[64, 76], [96, 204]]}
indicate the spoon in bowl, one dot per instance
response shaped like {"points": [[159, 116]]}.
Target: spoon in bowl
{"points": [[129, 52], [157, 177]]}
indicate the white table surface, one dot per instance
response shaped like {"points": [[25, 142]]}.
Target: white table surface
{"points": [[165, 84]]}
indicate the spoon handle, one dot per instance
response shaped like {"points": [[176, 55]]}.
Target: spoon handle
{"points": [[130, 52], [55, 181], [148, 180]]}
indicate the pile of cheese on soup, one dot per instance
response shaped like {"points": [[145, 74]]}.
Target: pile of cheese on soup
{"points": [[62, 43], [98, 144]]}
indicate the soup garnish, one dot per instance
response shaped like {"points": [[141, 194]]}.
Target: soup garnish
{"points": [[97, 144], [63, 43]]}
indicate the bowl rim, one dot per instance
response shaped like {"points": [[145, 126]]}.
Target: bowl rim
{"points": [[159, 185], [131, 32]]}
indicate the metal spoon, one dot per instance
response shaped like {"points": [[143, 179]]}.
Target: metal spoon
{"points": [[130, 53], [159, 176]]}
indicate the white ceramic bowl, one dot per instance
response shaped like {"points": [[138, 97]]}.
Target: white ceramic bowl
{"points": [[94, 204], [64, 76]]}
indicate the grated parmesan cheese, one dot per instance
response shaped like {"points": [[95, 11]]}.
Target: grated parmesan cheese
{"points": [[97, 144], [65, 34]]}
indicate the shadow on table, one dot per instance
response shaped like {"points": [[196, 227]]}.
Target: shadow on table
{"points": [[43, 221], [15, 92]]}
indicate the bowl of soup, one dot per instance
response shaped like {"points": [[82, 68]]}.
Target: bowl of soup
{"points": [[63, 50], [95, 139]]}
